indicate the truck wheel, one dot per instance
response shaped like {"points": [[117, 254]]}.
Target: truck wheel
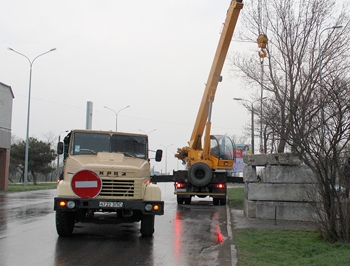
{"points": [[147, 225], [180, 200], [65, 223], [215, 201], [200, 174], [223, 201], [188, 201]]}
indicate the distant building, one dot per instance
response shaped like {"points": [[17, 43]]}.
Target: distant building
{"points": [[6, 99]]}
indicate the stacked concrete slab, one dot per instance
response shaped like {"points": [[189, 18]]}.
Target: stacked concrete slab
{"points": [[278, 186]]}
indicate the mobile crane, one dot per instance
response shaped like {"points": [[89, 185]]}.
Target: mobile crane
{"points": [[207, 162]]}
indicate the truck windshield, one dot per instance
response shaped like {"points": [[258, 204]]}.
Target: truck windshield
{"points": [[92, 143], [134, 146]]}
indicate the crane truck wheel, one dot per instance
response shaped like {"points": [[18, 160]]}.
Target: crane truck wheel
{"points": [[188, 201], [215, 201], [180, 200], [219, 201], [200, 174]]}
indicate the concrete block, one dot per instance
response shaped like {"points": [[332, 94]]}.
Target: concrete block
{"points": [[255, 159], [249, 173], [289, 211], [281, 192], [272, 158], [283, 159], [250, 208], [245, 190], [288, 174]]}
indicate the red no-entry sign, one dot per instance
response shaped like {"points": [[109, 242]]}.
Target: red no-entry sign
{"points": [[86, 184]]}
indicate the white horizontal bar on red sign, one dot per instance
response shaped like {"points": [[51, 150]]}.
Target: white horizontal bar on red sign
{"points": [[85, 184]]}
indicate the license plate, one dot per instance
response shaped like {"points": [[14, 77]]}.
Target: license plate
{"points": [[111, 204], [181, 190]]}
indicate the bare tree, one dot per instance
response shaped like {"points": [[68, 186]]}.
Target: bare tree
{"points": [[291, 68], [322, 144], [52, 140], [306, 78]]}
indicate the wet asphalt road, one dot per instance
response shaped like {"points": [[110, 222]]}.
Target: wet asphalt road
{"points": [[195, 234]]}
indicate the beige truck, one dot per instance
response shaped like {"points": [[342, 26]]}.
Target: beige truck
{"points": [[106, 179]]}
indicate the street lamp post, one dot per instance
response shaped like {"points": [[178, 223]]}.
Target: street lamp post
{"points": [[116, 115], [261, 107], [166, 157], [252, 116], [28, 112], [320, 75]]}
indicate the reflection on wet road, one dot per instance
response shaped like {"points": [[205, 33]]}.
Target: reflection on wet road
{"points": [[193, 234]]}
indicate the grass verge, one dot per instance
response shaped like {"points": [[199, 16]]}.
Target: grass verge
{"points": [[236, 198], [17, 187], [270, 247]]}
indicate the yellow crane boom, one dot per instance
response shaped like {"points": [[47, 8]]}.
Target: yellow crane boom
{"points": [[196, 152]]}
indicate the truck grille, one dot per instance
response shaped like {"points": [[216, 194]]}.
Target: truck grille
{"points": [[117, 188]]}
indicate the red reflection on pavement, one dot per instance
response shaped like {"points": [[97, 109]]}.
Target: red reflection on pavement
{"points": [[219, 236], [177, 233]]}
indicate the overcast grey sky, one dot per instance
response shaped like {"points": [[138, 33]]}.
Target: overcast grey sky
{"points": [[152, 55]]}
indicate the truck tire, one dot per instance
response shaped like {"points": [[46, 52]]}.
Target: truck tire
{"points": [[215, 201], [200, 174], [180, 200], [223, 201], [65, 223], [219, 201], [188, 201], [147, 225]]}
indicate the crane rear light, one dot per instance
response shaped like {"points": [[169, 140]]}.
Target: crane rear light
{"points": [[220, 185], [179, 185]]}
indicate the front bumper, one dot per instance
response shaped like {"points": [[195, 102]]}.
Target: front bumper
{"points": [[107, 205]]}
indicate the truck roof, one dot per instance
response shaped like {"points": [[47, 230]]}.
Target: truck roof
{"points": [[108, 132]]}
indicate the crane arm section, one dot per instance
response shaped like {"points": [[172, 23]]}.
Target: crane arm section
{"points": [[214, 76], [194, 152]]}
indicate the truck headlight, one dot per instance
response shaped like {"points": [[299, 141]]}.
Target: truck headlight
{"points": [[70, 204], [148, 207]]}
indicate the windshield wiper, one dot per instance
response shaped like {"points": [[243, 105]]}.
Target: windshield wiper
{"points": [[128, 154], [87, 151]]}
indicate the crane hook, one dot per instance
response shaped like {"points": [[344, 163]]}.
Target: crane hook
{"points": [[262, 42]]}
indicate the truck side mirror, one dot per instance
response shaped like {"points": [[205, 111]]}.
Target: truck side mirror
{"points": [[60, 148], [159, 154]]}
